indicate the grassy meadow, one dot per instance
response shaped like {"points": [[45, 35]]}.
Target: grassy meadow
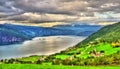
{"points": [[34, 66]]}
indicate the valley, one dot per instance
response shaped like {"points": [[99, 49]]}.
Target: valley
{"points": [[102, 48]]}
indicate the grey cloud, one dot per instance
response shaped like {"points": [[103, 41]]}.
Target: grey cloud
{"points": [[5, 6], [99, 3], [41, 18], [58, 6], [41, 6], [15, 9]]}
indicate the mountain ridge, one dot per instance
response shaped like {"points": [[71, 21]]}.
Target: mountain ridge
{"points": [[18, 33]]}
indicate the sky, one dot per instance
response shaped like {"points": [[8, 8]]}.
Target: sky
{"points": [[52, 12]]}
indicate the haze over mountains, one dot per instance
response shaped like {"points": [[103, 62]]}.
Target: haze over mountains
{"points": [[10, 34]]}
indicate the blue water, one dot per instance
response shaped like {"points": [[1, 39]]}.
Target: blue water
{"points": [[39, 46]]}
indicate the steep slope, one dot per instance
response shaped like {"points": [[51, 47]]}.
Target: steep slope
{"points": [[108, 33]]}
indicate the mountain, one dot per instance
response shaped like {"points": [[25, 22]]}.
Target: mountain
{"points": [[80, 29], [10, 34], [108, 33]]}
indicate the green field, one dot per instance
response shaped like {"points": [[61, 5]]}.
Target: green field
{"points": [[106, 47], [76, 56], [34, 66]]}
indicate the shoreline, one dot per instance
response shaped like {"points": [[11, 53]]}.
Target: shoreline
{"points": [[54, 39]]}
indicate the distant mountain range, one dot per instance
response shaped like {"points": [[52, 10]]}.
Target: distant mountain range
{"points": [[78, 29], [10, 34]]}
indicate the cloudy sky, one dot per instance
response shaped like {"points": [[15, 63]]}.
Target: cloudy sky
{"points": [[59, 11]]}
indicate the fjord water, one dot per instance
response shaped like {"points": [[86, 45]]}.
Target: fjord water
{"points": [[39, 46]]}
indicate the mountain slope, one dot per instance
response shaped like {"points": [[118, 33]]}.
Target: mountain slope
{"points": [[108, 33]]}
